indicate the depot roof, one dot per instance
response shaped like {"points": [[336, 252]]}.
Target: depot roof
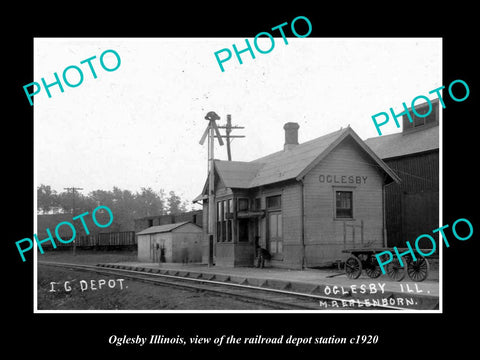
{"points": [[287, 164]]}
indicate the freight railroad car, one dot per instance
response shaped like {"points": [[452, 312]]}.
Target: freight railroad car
{"points": [[100, 241]]}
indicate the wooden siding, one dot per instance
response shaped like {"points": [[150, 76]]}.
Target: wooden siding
{"points": [[324, 235], [225, 254], [147, 251], [244, 254], [181, 245], [292, 225], [187, 245], [419, 172], [412, 207]]}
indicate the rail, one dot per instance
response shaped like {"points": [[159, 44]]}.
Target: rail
{"points": [[276, 298]]}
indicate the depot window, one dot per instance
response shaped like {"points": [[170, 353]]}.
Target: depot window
{"points": [[274, 202], [224, 220], [344, 204], [229, 216], [242, 204], [219, 220]]}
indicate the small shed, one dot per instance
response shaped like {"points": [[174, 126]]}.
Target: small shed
{"points": [[178, 242]]}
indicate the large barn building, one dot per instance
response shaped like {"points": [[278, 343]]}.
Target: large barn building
{"points": [[304, 204], [412, 206]]}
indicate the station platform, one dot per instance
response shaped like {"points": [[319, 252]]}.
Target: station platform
{"points": [[331, 283]]}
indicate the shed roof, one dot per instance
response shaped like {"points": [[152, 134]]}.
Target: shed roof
{"points": [[163, 228], [287, 164], [405, 143]]}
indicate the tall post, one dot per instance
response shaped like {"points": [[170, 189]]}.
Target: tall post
{"points": [[228, 130], [73, 212], [211, 132], [211, 195], [228, 138]]}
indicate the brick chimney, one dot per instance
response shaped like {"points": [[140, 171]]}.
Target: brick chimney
{"points": [[291, 135]]}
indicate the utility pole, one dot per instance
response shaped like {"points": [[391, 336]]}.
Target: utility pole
{"points": [[228, 129], [73, 210], [211, 131]]}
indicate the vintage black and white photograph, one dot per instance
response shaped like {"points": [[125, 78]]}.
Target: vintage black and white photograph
{"points": [[270, 174]]}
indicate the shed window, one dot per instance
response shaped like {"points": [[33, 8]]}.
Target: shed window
{"points": [[344, 204]]}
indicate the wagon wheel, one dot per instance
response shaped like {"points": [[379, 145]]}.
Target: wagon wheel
{"points": [[372, 268], [395, 271], [353, 267], [418, 270]]}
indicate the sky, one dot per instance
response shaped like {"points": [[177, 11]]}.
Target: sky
{"points": [[140, 125]]}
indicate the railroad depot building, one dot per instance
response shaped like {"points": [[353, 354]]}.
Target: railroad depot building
{"points": [[304, 204]]}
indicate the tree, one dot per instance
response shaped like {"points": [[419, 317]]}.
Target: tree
{"points": [[124, 208], [83, 203], [47, 199], [150, 203], [125, 205], [175, 204]]}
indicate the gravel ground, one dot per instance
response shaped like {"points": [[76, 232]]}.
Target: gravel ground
{"points": [[79, 290]]}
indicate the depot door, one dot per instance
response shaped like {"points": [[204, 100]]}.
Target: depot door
{"points": [[275, 234]]}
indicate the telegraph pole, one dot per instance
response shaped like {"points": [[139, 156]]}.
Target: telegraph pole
{"points": [[73, 210], [228, 129], [211, 195], [212, 132]]}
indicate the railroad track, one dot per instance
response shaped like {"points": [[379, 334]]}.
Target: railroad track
{"points": [[276, 299]]}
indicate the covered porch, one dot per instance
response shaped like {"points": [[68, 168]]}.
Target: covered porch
{"points": [[237, 230]]}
